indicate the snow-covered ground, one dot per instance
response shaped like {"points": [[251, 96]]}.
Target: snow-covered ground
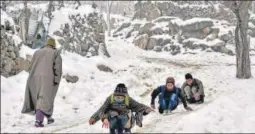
{"points": [[228, 107]]}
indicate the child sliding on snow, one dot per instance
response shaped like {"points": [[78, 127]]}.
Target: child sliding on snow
{"points": [[168, 97], [114, 112]]}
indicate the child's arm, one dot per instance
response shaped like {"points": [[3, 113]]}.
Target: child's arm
{"points": [[100, 114], [136, 106]]}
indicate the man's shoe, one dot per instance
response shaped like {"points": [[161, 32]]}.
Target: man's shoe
{"points": [[50, 120], [38, 124]]}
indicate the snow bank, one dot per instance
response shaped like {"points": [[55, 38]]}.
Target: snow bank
{"points": [[195, 20], [25, 50], [62, 16]]}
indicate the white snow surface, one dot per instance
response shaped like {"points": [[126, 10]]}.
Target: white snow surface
{"points": [[228, 106], [5, 17], [61, 16]]}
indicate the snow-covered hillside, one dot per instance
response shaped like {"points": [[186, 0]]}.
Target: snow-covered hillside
{"points": [[228, 106]]}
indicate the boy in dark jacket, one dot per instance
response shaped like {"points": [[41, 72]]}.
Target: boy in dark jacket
{"points": [[114, 112], [169, 96], [193, 89]]}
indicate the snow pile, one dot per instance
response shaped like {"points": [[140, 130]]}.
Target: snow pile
{"points": [[81, 31], [62, 16]]}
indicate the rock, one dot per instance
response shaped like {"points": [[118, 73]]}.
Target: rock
{"points": [[193, 25], [173, 28], [83, 53], [129, 33], [152, 42], [146, 10], [12, 55], [163, 19], [136, 27], [8, 66], [61, 41], [251, 32], [22, 64], [85, 32], [124, 25], [141, 41], [10, 48], [70, 78], [226, 51], [104, 68], [175, 52], [93, 51], [156, 31], [183, 10], [7, 25], [165, 41], [102, 50], [145, 29], [84, 47], [252, 19], [226, 37], [218, 46], [175, 49], [29, 57], [9, 55], [58, 33], [157, 48], [193, 44], [166, 48]]}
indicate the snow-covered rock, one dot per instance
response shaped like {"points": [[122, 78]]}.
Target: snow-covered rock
{"points": [[81, 31], [152, 10]]}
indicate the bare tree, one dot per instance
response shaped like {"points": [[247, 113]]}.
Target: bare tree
{"points": [[109, 5], [61, 4], [79, 4], [50, 9], [26, 21], [253, 6], [3, 5], [240, 8]]}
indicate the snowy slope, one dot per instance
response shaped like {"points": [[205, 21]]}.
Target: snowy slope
{"points": [[216, 71]]}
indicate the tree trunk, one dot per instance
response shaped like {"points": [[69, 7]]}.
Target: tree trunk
{"points": [[61, 4], [3, 5], [109, 4], [79, 4], [50, 8], [253, 6], [26, 22], [241, 39]]}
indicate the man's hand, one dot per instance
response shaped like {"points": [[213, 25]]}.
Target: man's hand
{"points": [[188, 108], [106, 123], [152, 106], [91, 121]]}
